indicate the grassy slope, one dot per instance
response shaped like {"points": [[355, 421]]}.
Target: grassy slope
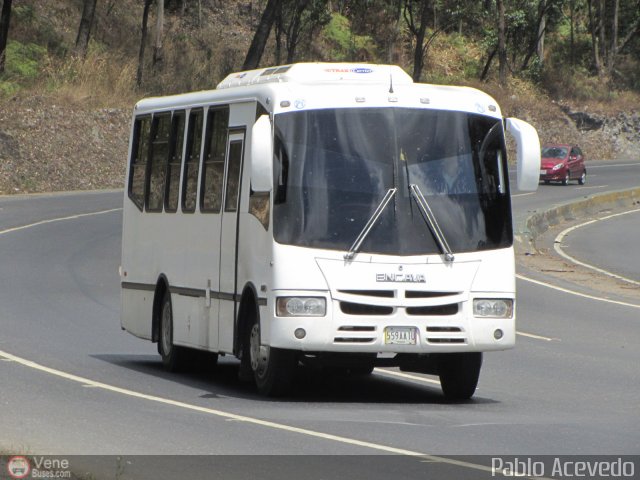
{"points": [[64, 123]]}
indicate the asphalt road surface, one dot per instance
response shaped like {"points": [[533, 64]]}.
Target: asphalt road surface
{"points": [[599, 243], [72, 383]]}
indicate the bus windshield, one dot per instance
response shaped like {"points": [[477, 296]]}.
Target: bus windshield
{"points": [[332, 168]]}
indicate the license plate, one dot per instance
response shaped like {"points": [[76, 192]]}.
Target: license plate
{"points": [[400, 336], [543, 172]]}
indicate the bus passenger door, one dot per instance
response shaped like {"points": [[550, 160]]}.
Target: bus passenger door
{"points": [[229, 239]]}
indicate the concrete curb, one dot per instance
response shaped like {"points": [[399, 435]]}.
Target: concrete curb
{"points": [[532, 227]]}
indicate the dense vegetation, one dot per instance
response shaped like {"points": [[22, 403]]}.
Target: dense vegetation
{"points": [[576, 49], [547, 61]]}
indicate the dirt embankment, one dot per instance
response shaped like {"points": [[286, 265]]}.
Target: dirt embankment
{"points": [[53, 145], [48, 146]]}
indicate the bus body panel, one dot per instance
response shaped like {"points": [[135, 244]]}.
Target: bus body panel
{"points": [[158, 251], [381, 283], [211, 262]]}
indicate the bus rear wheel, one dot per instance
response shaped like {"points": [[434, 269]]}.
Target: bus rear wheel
{"points": [[174, 358], [273, 368], [459, 373]]}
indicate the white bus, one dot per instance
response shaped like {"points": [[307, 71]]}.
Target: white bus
{"points": [[327, 215]]}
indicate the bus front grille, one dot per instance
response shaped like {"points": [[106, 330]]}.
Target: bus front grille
{"points": [[350, 308], [441, 310], [446, 340], [353, 340], [445, 334]]}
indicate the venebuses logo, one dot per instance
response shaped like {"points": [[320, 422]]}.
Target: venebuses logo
{"points": [[18, 467]]}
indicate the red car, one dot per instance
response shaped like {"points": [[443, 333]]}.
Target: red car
{"points": [[562, 163]]}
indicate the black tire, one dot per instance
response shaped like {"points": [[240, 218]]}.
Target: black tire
{"points": [[583, 179], [174, 358], [567, 178], [273, 368], [459, 373]]}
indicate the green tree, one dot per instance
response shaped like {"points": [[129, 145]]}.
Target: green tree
{"points": [[502, 45], [256, 49], [5, 16], [84, 30], [416, 14], [613, 25], [296, 21], [143, 41]]}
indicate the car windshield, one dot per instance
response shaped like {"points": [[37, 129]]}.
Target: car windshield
{"points": [[333, 167], [554, 152]]}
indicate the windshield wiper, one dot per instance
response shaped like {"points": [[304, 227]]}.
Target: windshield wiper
{"points": [[431, 221], [370, 223]]}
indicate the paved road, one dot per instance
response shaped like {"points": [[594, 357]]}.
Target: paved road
{"points": [[570, 386], [611, 244], [601, 177]]}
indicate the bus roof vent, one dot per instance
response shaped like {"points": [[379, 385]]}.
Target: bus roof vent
{"points": [[320, 73]]}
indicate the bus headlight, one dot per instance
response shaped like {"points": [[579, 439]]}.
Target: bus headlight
{"points": [[493, 307], [301, 307]]}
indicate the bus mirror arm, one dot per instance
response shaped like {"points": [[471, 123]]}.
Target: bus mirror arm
{"points": [[262, 155], [528, 153]]}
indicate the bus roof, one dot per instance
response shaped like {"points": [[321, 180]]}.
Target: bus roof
{"points": [[329, 85], [320, 74]]}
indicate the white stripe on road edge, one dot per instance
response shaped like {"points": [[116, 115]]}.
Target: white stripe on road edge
{"points": [[537, 337], [60, 219], [616, 165], [241, 418], [407, 376], [523, 194], [87, 383], [558, 248], [591, 186], [583, 295]]}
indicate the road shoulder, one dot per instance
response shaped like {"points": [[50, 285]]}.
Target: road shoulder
{"points": [[537, 259]]}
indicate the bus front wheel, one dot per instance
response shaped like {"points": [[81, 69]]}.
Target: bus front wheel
{"points": [[273, 368], [459, 373]]}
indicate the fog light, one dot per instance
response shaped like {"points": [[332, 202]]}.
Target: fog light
{"points": [[498, 334], [300, 333]]}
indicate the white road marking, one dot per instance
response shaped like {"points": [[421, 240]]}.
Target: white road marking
{"points": [[578, 294], [591, 186], [615, 165], [59, 219], [407, 376], [242, 418], [523, 194], [87, 383], [537, 337], [558, 248]]}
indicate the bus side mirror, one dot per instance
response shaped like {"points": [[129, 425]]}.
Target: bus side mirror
{"points": [[262, 155], [528, 154]]}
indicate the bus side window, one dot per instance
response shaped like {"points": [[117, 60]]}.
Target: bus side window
{"points": [[139, 158], [160, 130], [175, 161], [192, 161], [233, 176], [214, 155]]}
